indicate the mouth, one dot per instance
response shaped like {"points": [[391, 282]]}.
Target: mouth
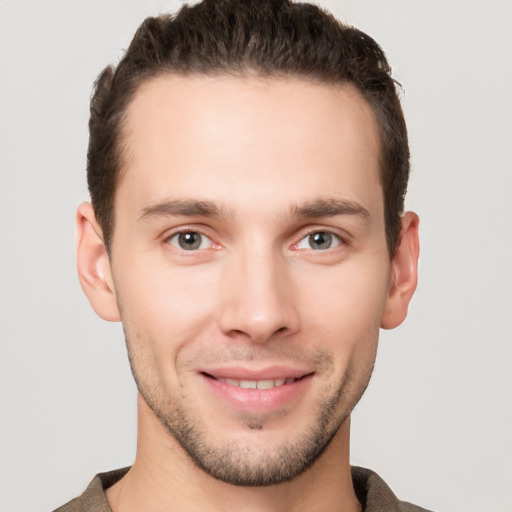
{"points": [[257, 384], [257, 392]]}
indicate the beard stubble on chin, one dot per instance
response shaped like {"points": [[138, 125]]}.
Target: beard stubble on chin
{"points": [[252, 466]]}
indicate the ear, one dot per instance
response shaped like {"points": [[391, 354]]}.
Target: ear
{"points": [[404, 273], [93, 265]]}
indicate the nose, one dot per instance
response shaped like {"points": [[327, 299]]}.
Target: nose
{"points": [[258, 300]]}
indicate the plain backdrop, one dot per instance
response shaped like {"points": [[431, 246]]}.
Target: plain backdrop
{"points": [[436, 421]]}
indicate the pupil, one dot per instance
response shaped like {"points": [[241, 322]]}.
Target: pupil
{"points": [[189, 241], [320, 240]]}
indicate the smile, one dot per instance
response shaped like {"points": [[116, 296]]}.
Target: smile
{"points": [[257, 393], [258, 384]]}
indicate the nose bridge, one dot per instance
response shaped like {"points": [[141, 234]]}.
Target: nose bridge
{"points": [[258, 293]]}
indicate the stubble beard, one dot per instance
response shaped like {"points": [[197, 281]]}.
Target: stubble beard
{"points": [[249, 465]]}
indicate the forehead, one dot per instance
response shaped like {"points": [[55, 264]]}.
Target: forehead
{"points": [[194, 135]]}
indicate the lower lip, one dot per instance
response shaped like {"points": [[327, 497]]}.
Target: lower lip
{"points": [[258, 400]]}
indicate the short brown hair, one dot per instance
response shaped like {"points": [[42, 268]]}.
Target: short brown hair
{"points": [[262, 37]]}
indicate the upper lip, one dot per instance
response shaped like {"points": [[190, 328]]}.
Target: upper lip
{"points": [[268, 373]]}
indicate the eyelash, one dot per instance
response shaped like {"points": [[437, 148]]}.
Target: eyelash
{"points": [[185, 232], [328, 238], [331, 237]]}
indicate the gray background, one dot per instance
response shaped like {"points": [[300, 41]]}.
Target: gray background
{"points": [[437, 418]]}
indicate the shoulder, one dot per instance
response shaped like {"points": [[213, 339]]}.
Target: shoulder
{"points": [[93, 499], [376, 496]]}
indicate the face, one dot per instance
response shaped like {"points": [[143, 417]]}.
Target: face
{"points": [[250, 266]]}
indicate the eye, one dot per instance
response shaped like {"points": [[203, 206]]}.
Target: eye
{"points": [[190, 241], [319, 241]]}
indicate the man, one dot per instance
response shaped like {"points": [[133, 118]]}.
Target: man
{"points": [[247, 164]]}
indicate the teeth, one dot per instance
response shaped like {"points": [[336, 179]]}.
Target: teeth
{"points": [[248, 384], [258, 384], [265, 384]]}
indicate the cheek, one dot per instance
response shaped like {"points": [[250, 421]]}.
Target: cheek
{"points": [[345, 307], [163, 308]]}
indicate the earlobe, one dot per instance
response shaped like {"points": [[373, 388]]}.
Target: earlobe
{"points": [[93, 265], [404, 273]]}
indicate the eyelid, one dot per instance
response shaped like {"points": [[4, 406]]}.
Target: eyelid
{"points": [[200, 230], [342, 238], [203, 240]]}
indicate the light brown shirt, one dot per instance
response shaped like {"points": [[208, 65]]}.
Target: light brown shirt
{"points": [[372, 492]]}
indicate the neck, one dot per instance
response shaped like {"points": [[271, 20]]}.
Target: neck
{"points": [[163, 477]]}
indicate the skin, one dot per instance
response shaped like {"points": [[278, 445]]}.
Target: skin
{"points": [[272, 162]]}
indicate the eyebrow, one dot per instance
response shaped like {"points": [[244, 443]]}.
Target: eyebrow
{"points": [[184, 207], [204, 208], [329, 208]]}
